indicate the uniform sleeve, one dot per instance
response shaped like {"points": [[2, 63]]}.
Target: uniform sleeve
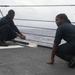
{"points": [[58, 36], [15, 28], [2, 22]]}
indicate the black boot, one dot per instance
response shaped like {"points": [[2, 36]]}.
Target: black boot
{"points": [[2, 43], [71, 64]]}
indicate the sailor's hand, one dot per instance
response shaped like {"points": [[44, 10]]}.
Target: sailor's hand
{"points": [[22, 36], [51, 61]]}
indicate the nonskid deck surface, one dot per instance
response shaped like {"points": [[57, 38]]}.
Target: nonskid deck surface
{"points": [[27, 60]]}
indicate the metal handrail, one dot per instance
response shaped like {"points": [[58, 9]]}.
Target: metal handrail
{"points": [[36, 5], [38, 35], [34, 20], [1, 12], [35, 27]]}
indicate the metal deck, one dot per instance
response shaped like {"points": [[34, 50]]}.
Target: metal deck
{"points": [[31, 61]]}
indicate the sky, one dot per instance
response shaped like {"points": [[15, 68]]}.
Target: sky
{"points": [[39, 13], [37, 2]]}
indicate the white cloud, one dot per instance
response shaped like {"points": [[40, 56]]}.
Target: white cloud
{"points": [[37, 2], [40, 13]]}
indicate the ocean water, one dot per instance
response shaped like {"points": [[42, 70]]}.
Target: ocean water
{"points": [[44, 37]]}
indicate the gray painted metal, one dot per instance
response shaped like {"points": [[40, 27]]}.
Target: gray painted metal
{"points": [[31, 61]]}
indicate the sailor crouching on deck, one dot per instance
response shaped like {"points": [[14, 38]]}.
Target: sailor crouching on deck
{"points": [[8, 29], [64, 31]]}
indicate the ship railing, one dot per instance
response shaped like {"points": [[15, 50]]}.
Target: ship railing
{"points": [[32, 27]]}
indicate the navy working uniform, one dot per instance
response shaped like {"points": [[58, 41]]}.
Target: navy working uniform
{"points": [[8, 30], [65, 31]]}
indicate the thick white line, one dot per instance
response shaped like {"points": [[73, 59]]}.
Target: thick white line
{"points": [[11, 46]]}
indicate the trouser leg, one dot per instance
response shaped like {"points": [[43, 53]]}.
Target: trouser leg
{"points": [[7, 33], [66, 51], [12, 35], [4, 31]]}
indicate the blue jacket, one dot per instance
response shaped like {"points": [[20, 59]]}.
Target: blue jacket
{"points": [[65, 31], [6, 21]]}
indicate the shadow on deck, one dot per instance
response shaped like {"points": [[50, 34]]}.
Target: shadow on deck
{"points": [[31, 61]]}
